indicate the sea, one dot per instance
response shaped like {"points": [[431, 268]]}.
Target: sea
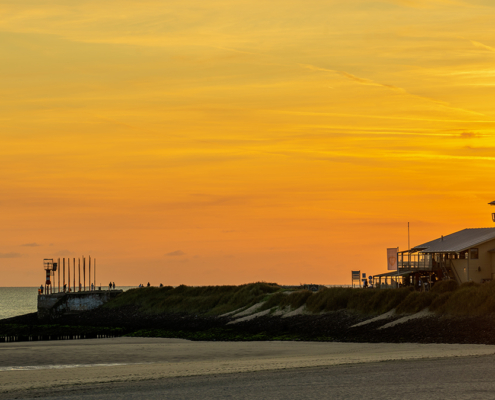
{"points": [[16, 301]]}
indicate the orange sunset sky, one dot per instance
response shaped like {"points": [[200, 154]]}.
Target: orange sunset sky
{"points": [[225, 142]]}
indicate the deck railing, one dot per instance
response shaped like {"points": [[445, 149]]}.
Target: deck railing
{"points": [[417, 261]]}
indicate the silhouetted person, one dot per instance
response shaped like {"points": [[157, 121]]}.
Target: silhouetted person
{"points": [[114, 285], [148, 284], [65, 287], [41, 289], [110, 286]]}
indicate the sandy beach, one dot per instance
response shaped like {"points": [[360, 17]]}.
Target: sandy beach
{"points": [[29, 367]]}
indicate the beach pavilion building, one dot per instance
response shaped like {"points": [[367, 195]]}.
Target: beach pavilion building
{"points": [[467, 255]]}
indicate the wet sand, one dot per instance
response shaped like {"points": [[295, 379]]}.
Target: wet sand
{"points": [[131, 367]]}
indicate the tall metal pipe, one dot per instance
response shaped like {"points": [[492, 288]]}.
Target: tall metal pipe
{"points": [[58, 269], [84, 272], [79, 268], [89, 273], [68, 274], [74, 275], [63, 286]]}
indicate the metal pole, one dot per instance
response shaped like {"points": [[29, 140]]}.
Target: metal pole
{"points": [[58, 268], [63, 286], [84, 273], [398, 266], [74, 274], [79, 268], [408, 242], [89, 274], [68, 274]]}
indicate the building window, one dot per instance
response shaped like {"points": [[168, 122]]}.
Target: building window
{"points": [[473, 254]]}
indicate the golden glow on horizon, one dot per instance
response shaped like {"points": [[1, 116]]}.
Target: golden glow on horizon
{"points": [[287, 142]]}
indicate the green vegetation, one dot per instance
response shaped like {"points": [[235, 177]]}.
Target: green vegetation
{"points": [[446, 297], [208, 300], [364, 301], [469, 299]]}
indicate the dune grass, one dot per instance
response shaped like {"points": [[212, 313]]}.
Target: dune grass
{"points": [[209, 300], [364, 301], [469, 299], [446, 297]]}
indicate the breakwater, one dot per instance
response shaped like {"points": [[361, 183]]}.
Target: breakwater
{"points": [[57, 304]]}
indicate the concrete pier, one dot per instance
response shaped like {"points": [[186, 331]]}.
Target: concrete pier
{"points": [[57, 304]]}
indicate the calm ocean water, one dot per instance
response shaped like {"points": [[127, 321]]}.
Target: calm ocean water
{"points": [[17, 301], [22, 300]]}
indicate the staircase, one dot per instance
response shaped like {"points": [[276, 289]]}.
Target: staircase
{"points": [[449, 270]]}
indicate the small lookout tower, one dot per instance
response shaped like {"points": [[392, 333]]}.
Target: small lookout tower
{"points": [[493, 214], [50, 268]]}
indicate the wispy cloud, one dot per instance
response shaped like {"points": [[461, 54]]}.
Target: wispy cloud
{"points": [[482, 46], [421, 4], [175, 253], [379, 116], [64, 253], [487, 149], [355, 78], [468, 135], [10, 255], [31, 244], [369, 82]]}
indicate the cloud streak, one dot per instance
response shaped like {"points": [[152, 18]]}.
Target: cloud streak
{"points": [[176, 253], [482, 46], [369, 82], [64, 253], [362, 81], [468, 135], [10, 255]]}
